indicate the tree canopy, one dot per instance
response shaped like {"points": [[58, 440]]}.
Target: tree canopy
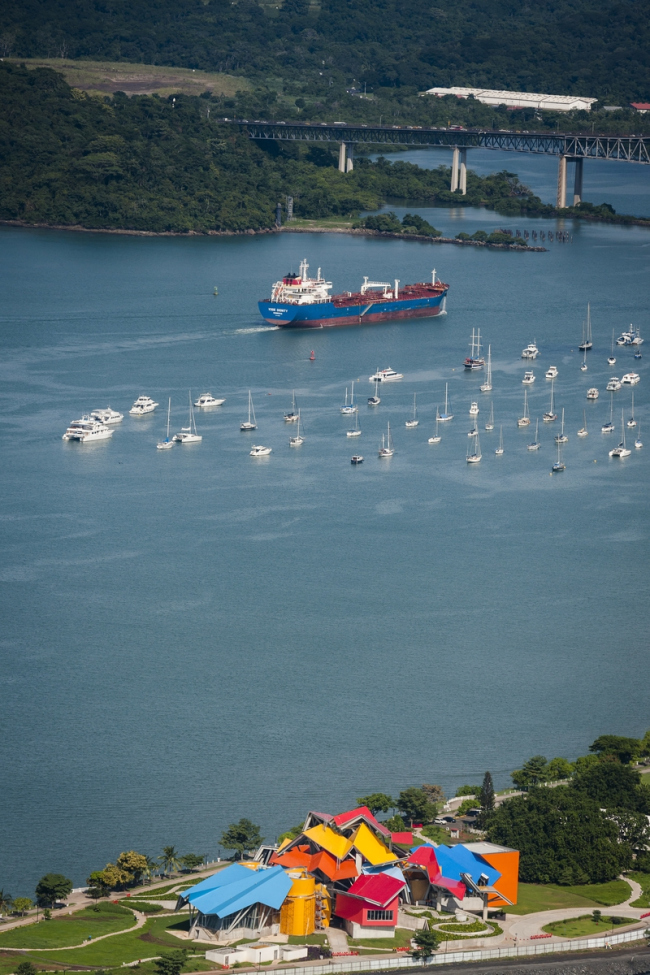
{"points": [[51, 888], [241, 837], [624, 749], [415, 805], [376, 802], [613, 786]]}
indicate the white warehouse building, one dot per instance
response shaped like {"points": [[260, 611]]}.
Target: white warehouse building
{"points": [[519, 99]]}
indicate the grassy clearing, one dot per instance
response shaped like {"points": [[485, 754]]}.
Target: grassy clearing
{"points": [[644, 880], [402, 939], [328, 223], [549, 897], [307, 939], [68, 929], [577, 927], [146, 942], [107, 77]]}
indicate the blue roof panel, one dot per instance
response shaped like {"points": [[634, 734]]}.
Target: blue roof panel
{"points": [[240, 888], [454, 860]]}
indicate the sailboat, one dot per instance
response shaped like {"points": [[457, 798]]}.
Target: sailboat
{"points": [[375, 400], [583, 432], [551, 415], [298, 440], [612, 358], [499, 450], [622, 450], [558, 465], [487, 385], [446, 415], [436, 437], [632, 422], [586, 343], [524, 420], [386, 449], [562, 437], [474, 450], [475, 360], [638, 443], [188, 434], [357, 431], [292, 416], [490, 423], [535, 444], [251, 422], [167, 442], [583, 367], [609, 426], [348, 410], [413, 422]]}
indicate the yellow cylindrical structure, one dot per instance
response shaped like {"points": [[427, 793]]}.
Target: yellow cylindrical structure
{"points": [[298, 913]]}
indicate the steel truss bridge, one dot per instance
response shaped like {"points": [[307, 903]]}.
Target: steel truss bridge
{"points": [[568, 148]]}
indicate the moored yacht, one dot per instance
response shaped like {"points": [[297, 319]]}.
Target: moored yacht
{"points": [[292, 415], [298, 440], [490, 423], [259, 451], [530, 352], [622, 450], [475, 360], [609, 426], [529, 378], [251, 422], [487, 385], [108, 416], [87, 430], [551, 372], [535, 444], [446, 415], [376, 399], [638, 443], [551, 415], [473, 409], [189, 434], [592, 393], [207, 400], [586, 343], [436, 438], [385, 376], [143, 405], [524, 420], [386, 449], [583, 432], [614, 384], [631, 379], [413, 422], [350, 407], [561, 436], [474, 451]]}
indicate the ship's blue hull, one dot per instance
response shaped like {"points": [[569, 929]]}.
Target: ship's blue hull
{"points": [[326, 314]]}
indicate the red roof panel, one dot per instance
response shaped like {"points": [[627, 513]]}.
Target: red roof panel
{"points": [[377, 888]]}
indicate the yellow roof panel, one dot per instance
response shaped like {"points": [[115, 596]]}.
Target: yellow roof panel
{"points": [[339, 846], [370, 847]]}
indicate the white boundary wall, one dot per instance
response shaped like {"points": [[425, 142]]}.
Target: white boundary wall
{"points": [[447, 957]]}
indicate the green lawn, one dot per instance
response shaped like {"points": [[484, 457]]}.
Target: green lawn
{"points": [[644, 880], [577, 927], [549, 897], [330, 223], [307, 939], [402, 939], [146, 942], [68, 929]]}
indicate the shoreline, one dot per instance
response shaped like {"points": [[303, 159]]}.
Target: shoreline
{"points": [[360, 232]]}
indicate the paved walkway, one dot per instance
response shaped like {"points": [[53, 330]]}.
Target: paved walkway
{"points": [[140, 920], [338, 939]]}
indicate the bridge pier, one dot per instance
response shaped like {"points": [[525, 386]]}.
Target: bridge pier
{"points": [[342, 158], [463, 172], [561, 183], [349, 166], [454, 169], [577, 183]]}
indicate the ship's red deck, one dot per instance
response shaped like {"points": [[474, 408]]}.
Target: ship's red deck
{"points": [[409, 292]]}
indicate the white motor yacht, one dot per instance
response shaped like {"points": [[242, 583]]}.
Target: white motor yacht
{"points": [[108, 416], [356, 459], [592, 393], [637, 340], [529, 378], [631, 379], [625, 338], [530, 352], [473, 410], [142, 406], [385, 376], [259, 451], [551, 372], [207, 400], [614, 384], [87, 430]]}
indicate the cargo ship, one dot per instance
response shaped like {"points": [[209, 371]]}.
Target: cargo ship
{"points": [[298, 301]]}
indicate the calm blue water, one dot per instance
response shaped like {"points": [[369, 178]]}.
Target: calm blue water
{"points": [[193, 636]]}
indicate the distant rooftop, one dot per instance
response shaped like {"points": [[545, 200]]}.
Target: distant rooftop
{"points": [[519, 99]]}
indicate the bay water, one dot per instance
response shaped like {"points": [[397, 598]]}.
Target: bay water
{"points": [[192, 636]]}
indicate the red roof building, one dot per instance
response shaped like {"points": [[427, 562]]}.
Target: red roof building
{"points": [[641, 106], [370, 906]]}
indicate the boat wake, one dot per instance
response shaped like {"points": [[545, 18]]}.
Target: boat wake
{"points": [[259, 328]]}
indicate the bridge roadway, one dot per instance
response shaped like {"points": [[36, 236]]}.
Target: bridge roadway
{"points": [[569, 148]]}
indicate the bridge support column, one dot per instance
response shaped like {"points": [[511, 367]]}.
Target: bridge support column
{"points": [[342, 158], [463, 171], [454, 170], [561, 183], [577, 183], [349, 166]]}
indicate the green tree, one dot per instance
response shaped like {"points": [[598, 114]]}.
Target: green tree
{"points": [[97, 885], [486, 795], [114, 878], [562, 836], [51, 888], [434, 793], [291, 834], [192, 860], [395, 824], [412, 223], [558, 769], [645, 744], [169, 858], [468, 790], [415, 805], [170, 963], [625, 750], [22, 905], [26, 968], [135, 864], [465, 807], [426, 942], [531, 774], [241, 836], [5, 902], [612, 786], [376, 802]]}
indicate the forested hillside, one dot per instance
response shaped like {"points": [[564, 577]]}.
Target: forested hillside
{"points": [[147, 163], [601, 49]]}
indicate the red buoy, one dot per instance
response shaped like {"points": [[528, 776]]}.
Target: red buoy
{"points": [[312, 356]]}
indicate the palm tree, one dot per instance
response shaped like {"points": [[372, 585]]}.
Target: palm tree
{"points": [[6, 900], [152, 866], [169, 858]]}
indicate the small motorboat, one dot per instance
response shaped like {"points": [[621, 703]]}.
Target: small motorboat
{"points": [[356, 459], [259, 451]]}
